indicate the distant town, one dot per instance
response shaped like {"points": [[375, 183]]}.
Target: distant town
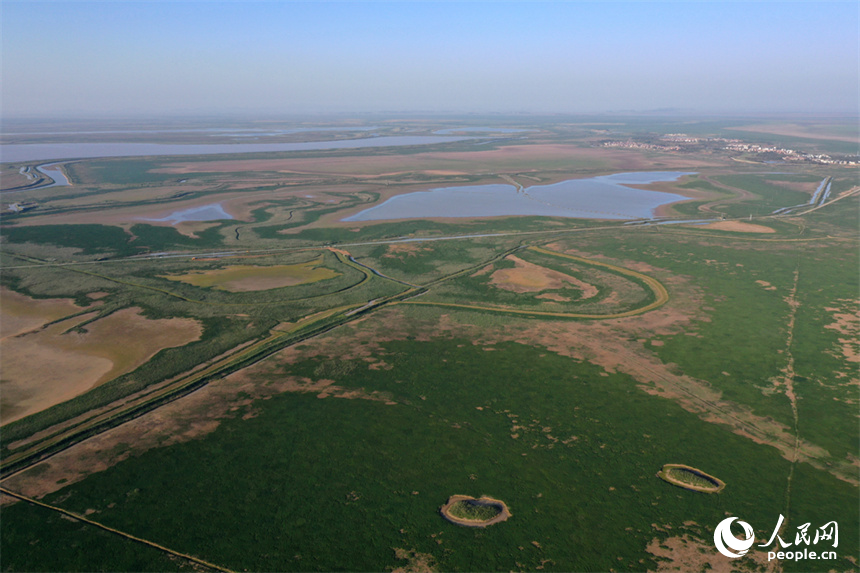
{"points": [[684, 142]]}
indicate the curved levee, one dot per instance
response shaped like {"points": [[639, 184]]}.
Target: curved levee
{"points": [[716, 485], [503, 514], [661, 295]]}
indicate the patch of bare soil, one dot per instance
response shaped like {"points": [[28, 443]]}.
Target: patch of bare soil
{"points": [[529, 277], [554, 297], [38, 372], [765, 285], [52, 365], [847, 324], [20, 313], [97, 295], [401, 250], [192, 228], [687, 554], [736, 226], [415, 562], [483, 271]]}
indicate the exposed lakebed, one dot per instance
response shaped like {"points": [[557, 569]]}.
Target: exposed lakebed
{"points": [[603, 197]]}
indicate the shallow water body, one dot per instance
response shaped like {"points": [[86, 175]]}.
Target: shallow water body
{"points": [[454, 130], [603, 197], [212, 212], [39, 151], [53, 171]]}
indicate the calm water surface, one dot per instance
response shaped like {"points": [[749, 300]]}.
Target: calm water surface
{"points": [[604, 197], [39, 151], [451, 130], [53, 171], [211, 212]]}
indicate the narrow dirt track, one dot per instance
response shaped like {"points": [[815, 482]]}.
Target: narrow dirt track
{"points": [[128, 536]]}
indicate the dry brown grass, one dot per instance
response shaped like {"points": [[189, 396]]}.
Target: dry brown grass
{"points": [[847, 324], [248, 278], [19, 313], [529, 277], [46, 367], [555, 297], [736, 226], [686, 553], [415, 562], [398, 251], [765, 285]]}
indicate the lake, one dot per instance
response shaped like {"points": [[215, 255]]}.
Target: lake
{"points": [[603, 197], [41, 151], [452, 130]]}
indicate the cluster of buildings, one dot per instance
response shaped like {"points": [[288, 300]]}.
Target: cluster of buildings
{"points": [[630, 144], [684, 138], [679, 141], [790, 154], [669, 142]]}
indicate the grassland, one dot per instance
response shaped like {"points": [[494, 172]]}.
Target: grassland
{"points": [[343, 380], [473, 511], [244, 278]]}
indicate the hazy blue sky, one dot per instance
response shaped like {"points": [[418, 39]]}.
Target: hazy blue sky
{"points": [[291, 57]]}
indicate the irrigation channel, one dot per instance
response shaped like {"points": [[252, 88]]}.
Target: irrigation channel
{"points": [[818, 198]]}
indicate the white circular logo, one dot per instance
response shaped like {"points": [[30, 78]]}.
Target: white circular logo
{"points": [[728, 544]]}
